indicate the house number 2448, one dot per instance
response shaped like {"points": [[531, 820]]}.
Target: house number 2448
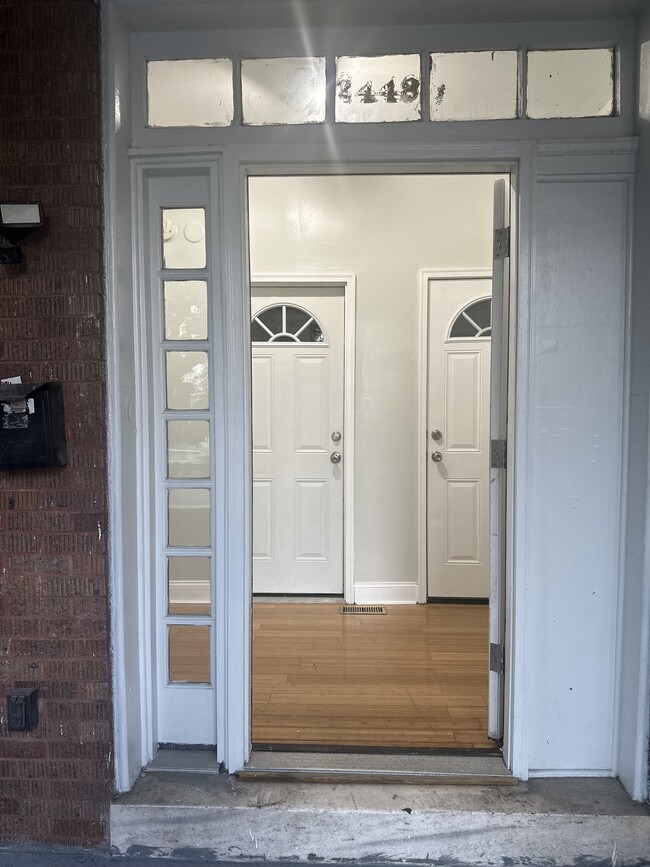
{"points": [[408, 91]]}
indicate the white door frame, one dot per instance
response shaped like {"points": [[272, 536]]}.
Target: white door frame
{"points": [[427, 275], [229, 168], [514, 158], [347, 283]]}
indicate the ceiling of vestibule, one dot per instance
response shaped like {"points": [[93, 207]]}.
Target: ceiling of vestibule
{"points": [[161, 15]]}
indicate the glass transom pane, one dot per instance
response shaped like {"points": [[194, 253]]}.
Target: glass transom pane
{"points": [[189, 654], [183, 237], [188, 449], [188, 518], [377, 89], [187, 380], [188, 582], [570, 83], [474, 85], [189, 93], [186, 309], [283, 90]]}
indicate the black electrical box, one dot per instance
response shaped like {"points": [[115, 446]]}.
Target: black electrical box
{"points": [[32, 430], [22, 710]]}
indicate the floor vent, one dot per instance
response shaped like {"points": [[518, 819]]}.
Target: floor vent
{"points": [[362, 609]]}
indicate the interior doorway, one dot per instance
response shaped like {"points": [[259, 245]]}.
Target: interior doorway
{"points": [[415, 676], [297, 335]]}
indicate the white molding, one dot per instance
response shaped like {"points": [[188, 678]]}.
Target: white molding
{"points": [[536, 773], [426, 275], [385, 593], [579, 159], [348, 283]]}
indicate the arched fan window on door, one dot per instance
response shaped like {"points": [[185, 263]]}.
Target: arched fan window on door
{"points": [[473, 321], [284, 323]]}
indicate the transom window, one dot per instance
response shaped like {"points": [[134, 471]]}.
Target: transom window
{"points": [[284, 323], [473, 321]]}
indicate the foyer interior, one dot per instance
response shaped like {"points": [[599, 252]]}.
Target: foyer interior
{"points": [[415, 677]]}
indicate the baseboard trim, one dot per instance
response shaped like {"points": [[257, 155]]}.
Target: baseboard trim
{"points": [[458, 600], [380, 593]]}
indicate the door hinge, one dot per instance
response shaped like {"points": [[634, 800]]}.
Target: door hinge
{"points": [[502, 243], [497, 658], [498, 451]]}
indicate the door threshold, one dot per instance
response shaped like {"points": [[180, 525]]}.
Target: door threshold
{"points": [[405, 769]]}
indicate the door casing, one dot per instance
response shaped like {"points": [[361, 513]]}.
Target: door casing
{"points": [[230, 169], [346, 283]]}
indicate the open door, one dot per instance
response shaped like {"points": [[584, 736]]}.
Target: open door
{"points": [[498, 453]]}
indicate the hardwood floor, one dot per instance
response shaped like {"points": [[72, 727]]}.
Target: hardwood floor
{"points": [[415, 677]]}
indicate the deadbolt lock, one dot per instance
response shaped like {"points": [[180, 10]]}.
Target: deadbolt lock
{"points": [[336, 437], [436, 435]]}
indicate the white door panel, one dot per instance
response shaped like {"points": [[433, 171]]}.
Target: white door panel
{"points": [[298, 491], [458, 406]]}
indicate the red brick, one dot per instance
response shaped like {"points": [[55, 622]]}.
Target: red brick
{"points": [[54, 613]]}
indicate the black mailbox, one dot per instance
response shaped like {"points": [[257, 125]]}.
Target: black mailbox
{"points": [[32, 432]]}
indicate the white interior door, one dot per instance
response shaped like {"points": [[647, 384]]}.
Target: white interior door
{"points": [[458, 438], [298, 442]]}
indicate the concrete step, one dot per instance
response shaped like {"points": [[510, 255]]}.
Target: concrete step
{"points": [[218, 817]]}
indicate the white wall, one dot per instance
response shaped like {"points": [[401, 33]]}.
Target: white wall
{"points": [[384, 230]]}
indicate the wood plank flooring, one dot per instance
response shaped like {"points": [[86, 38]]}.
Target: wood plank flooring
{"points": [[415, 677]]}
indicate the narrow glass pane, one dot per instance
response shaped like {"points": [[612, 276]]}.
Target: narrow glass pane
{"points": [[189, 654], [188, 449], [186, 309], [187, 380], [462, 327], [272, 318], [189, 93], [189, 518], [573, 83], [474, 85], [183, 236], [189, 585], [283, 90], [376, 89], [296, 318], [480, 312]]}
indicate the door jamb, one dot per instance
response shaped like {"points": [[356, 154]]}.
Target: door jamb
{"points": [[426, 275], [348, 283]]}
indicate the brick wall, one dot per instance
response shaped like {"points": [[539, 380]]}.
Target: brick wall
{"points": [[55, 781]]}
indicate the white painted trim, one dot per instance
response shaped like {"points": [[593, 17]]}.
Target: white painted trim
{"points": [[233, 609], [495, 157], [348, 283], [380, 593], [537, 773], [427, 274], [142, 416], [515, 719]]}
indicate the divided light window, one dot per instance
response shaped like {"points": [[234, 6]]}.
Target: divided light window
{"points": [[461, 86]]}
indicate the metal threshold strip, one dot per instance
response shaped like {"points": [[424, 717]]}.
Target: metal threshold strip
{"points": [[376, 768]]}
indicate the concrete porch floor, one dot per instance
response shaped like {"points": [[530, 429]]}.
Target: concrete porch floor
{"points": [[544, 821]]}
